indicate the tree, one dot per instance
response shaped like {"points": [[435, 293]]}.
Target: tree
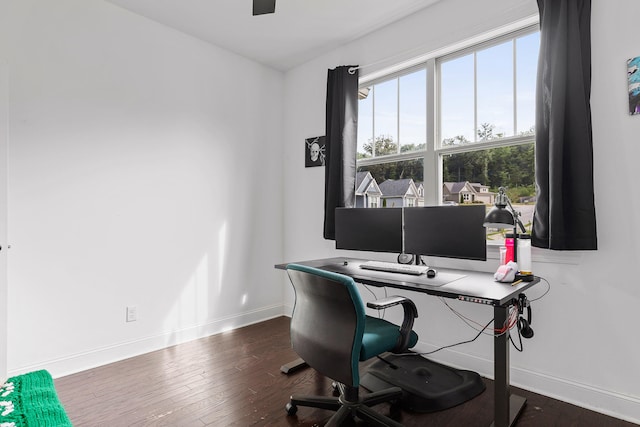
{"points": [[485, 132], [396, 170], [511, 167], [383, 145]]}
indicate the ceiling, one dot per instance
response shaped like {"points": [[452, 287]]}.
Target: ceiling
{"points": [[298, 31]]}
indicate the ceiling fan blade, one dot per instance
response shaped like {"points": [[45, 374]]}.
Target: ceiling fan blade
{"points": [[262, 7]]}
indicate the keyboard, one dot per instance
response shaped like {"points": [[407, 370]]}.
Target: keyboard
{"points": [[392, 267]]}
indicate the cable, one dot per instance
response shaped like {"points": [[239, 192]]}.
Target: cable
{"points": [[372, 293], [545, 292], [512, 319], [450, 345], [510, 323], [382, 312], [514, 344]]}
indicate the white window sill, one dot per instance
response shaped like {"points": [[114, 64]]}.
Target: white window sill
{"points": [[541, 255]]}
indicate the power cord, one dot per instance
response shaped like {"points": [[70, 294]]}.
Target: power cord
{"points": [[382, 312], [446, 346], [512, 321]]}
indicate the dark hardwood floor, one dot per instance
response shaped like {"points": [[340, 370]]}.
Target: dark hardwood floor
{"points": [[234, 379]]}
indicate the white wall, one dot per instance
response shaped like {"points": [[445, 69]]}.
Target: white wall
{"points": [[4, 111], [4, 88], [142, 171], [584, 350]]}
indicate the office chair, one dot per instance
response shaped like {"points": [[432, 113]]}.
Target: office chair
{"points": [[331, 333]]}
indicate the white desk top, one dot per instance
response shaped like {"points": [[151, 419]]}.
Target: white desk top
{"points": [[466, 285]]}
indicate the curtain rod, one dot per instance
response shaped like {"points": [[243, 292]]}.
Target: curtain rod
{"points": [[352, 70]]}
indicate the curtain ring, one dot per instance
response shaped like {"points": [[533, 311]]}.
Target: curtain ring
{"points": [[352, 70]]}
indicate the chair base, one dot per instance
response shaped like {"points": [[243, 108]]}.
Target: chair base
{"points": [[349, 404]]}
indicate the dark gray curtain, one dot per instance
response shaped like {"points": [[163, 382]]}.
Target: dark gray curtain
{"points": [[564, 216], [341, 138]]}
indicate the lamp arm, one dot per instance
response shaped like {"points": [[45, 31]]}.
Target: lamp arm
{"points": [[516, 216]]}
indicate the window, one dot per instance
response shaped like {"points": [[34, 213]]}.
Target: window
{"points": [[455, 128]]}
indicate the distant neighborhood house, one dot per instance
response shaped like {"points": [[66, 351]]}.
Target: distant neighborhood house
{"points": [[368, 193], [398, 193], [408, 193], [467, 192]]}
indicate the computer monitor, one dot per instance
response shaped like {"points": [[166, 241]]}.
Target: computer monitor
{"points": [[446, 231], [369, 229]]}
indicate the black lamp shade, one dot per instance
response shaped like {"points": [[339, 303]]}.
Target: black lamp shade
{"points": [[499, 218]]}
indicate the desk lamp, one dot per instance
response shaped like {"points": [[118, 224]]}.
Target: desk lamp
{"points": [[502, 218]]}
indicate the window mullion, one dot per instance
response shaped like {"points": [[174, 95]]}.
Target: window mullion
{"points": [[398, 113], [373, 121], [432, 167], [475, 97], [515, 90]]}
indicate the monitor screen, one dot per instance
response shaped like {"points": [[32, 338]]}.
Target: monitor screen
{"points": [[446, 231], [369, 229]]}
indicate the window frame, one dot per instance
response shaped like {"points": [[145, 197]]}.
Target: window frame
{"points": [[434, 152]]}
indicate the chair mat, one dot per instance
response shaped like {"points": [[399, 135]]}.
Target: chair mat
{"points": [[427, 386]]}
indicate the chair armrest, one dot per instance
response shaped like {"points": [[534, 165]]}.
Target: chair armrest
{"points": [[410, 313], [383, 303]]}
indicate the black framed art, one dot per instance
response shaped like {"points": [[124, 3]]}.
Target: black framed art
{"points": [[314, 151]]}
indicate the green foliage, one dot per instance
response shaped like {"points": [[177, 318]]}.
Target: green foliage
{"points": [[511, 167], [515, 193], [383, 145], [396, 170]]}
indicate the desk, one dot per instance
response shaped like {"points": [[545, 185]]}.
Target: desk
{"points": [[471, 286]]}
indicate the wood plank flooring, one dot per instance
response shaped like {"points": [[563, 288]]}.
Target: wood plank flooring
{"points": [[234, 379]]}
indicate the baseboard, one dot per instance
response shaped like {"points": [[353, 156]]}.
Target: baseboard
{"points": [[102, 356], [288, 309], [608, 402]]}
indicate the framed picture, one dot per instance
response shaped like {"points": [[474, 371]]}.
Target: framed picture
{"points": [[314, 151], [633, 74]]}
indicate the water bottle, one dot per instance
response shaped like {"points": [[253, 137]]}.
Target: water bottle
{"points": [[509, 244], [524, 254]]}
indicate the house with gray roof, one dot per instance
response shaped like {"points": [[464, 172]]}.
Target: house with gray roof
{"points": [[398, 193], [467, 192], [368, 193]]}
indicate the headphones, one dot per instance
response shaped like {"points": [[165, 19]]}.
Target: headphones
{"points": [[524, 325]]}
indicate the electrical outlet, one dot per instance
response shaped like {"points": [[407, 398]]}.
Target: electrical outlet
{"points": [[132, 313]]}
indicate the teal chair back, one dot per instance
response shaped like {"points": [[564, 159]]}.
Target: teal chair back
{"points": [[328, 322]]}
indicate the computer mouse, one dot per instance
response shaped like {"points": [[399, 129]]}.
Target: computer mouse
{"points": [[431, 272]]}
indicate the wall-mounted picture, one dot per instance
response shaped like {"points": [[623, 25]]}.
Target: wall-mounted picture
{"points": [[633, 73], [314, 151]]}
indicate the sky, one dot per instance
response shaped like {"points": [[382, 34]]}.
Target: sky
{"points": [[494, 101]]}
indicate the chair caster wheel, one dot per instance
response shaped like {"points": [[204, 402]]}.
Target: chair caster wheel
{"points": [[291, 409]]}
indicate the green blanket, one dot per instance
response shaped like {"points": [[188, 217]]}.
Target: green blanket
{"points": [[30, 400]]}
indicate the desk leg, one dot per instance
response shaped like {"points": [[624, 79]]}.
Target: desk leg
{"points": [[507, 407]]}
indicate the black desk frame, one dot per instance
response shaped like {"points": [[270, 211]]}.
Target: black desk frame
{"points": [[473, 287]]}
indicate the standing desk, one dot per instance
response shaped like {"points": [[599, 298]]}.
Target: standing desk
{"points": [[464, 285]]}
